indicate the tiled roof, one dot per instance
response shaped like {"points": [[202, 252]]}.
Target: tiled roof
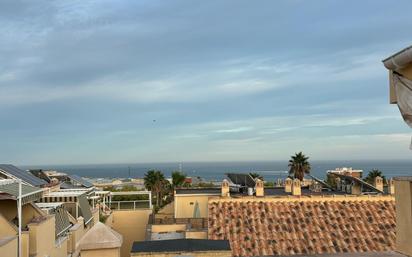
{"points": [[257, 228]]}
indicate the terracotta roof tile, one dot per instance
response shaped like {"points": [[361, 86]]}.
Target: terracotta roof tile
{"points": [[257, 228]]}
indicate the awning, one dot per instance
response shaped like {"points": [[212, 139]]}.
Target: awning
{"points": [[85, 208], [29, 193], [62, 220], [403, 87]]}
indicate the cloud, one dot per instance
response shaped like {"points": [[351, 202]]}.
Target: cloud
{"points": [[261, 80]]}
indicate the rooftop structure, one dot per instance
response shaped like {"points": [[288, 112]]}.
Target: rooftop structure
{"points": [[9, 189], [9, 171], [78, 181], [400, 81], [62, 223], [74, 200], [347, 171], [101, 240], [182, 247]]}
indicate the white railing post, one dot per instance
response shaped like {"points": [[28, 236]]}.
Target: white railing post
{"points": [[19, 207], [150, 200]]}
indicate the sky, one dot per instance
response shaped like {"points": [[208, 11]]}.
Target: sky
{"points": [[156, 81]]}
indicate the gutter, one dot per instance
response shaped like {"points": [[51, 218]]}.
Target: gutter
{"points": [[399, 60]]}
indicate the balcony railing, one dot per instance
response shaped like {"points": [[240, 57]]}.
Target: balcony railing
{"points": [[195, 223], [129, 205]]}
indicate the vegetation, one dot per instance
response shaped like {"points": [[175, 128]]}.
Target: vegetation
{"points": [[255, 175], [299, 166], [269, 184], [126, 188], [155, 181], [331, 180], [178, 179], [370, 178], [205, 184], [102, 217]]}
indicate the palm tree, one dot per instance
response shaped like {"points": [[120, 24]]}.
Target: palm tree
{"points": [[299, 166], [255, 175], [370, 178], [155, 181], [178, 179]]}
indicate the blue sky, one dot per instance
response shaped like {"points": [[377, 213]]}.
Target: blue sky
{"points": [[148, 81]]}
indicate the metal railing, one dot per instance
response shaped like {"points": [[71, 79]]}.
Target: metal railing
{"points": [[195, 223], [129, 205]]}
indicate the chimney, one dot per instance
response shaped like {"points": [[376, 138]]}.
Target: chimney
{"points": [[288, 185], [378, 183], [225, 188], [296, 190], [260, 190], [403, 207], [338, 184], [391, 186], [80, 220], [279, 182]]}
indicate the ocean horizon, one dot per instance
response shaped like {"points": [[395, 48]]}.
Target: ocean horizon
{"points": [[210, 171]]}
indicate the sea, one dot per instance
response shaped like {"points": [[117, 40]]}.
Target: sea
{"points": [[215, 171]]}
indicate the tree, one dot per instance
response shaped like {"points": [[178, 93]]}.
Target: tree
{"points": [[178, 179], [370, 178], [299, 166], [331, 180], [255, 175], [155, 181]]}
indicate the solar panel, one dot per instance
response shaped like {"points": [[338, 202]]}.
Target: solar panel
{"points": [[322, 182], [80, 180], [244, 180], [40, 174], [360, 181], [85, 208], [14, 172]]}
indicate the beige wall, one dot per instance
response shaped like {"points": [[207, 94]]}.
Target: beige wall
{"points": [[403, 195], [168, 209], [6, 228], [195, 254], [25, 239], [42, 239], [113, 252], [196, 234], [131, 224], [96, 216], [8, 209], [168, 228], [185, 204], [76, 233], [9, 249]]}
